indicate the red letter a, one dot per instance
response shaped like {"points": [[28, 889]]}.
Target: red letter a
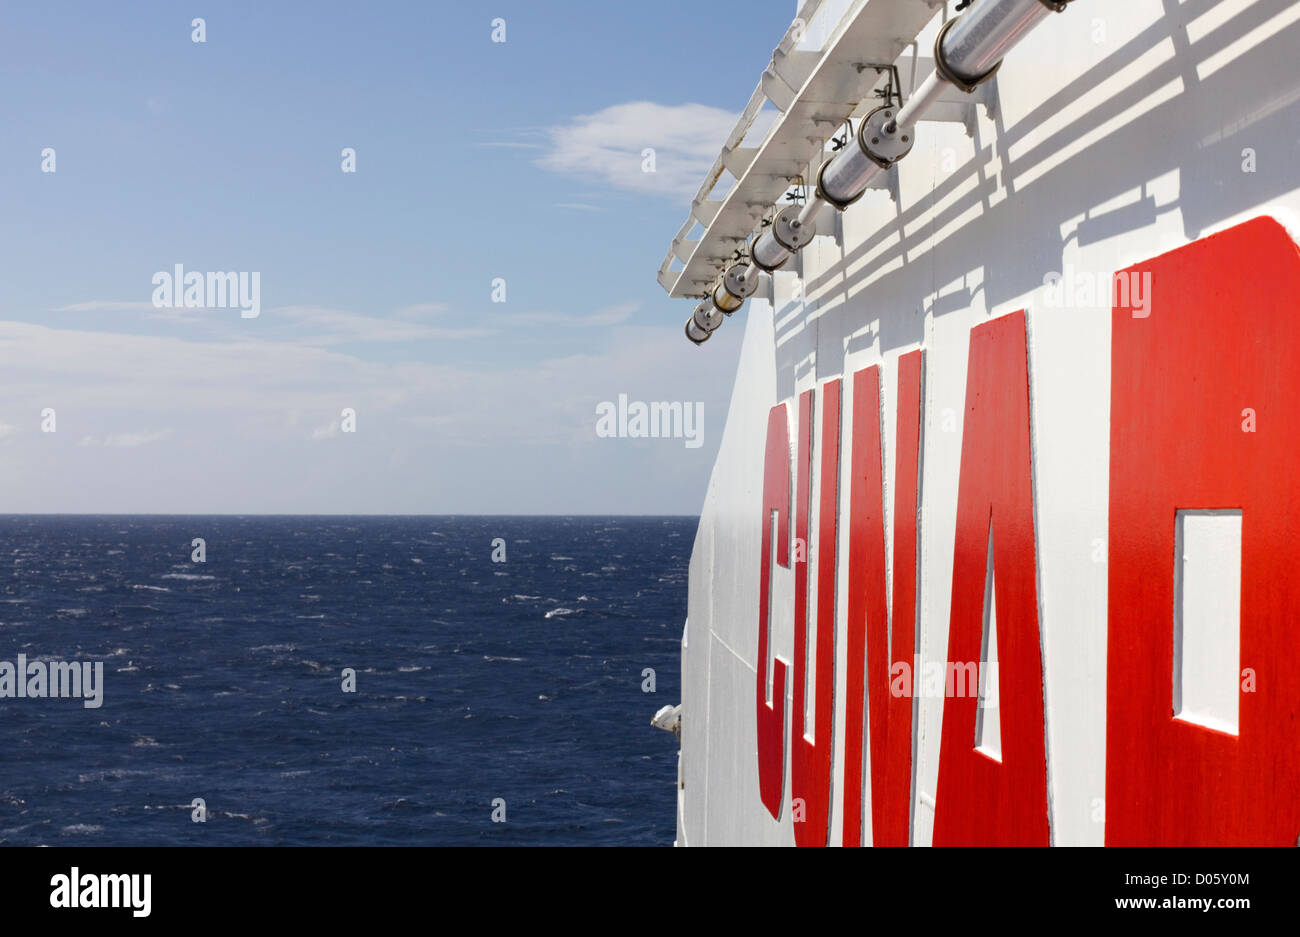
{"points": [[981, 799]]}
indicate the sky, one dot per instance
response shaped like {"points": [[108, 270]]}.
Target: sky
{"points": [[379, 375]]}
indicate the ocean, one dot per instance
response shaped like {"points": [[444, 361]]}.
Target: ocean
{"points": [[493, 702]]}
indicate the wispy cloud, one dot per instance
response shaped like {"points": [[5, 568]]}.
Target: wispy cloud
{"points": [[175, 424], [309, 325], [609, 315], [328, 431], [422, 310], [512, 145], [124, 440], [611, 145], [318, 325], [107, 305]]}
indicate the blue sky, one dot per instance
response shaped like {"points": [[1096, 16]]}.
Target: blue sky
{"points": [[475, 160]]}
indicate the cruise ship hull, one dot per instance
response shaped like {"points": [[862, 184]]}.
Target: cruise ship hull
{"points": [[998, 546]]}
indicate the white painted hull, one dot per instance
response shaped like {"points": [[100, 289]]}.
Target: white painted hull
{"points": [[1119, 131]]}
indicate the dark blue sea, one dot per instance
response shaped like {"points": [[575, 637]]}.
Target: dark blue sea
{"points": [[223, 680]]}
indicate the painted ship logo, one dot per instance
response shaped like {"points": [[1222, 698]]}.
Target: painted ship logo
{"points": [[1204, 452]]}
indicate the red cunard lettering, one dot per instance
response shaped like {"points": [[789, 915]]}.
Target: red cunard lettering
{"points": [[1184, 371], [866, 599], [770, 719], [1222, 336], [895, 822], [868, 635], [810, 760], [874, 643], [980, 800]]}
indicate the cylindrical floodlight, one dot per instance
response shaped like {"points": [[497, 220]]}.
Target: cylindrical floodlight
{"points": [[737, 285], [767, 253], [786, 236], [707, 316], [695, 333], [969, 49], [881, 143], [725, 301]]}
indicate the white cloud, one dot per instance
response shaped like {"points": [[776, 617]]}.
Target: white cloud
{"points": [[686, 139], [328, 431], [609, 315], [511, 145], [317, 325], [131, 440], [312, 325], [107, 305], [123, 440], [422, 310], [248, 419]]}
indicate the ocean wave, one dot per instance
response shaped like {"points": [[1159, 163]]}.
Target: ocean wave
{"points": [[560, 612], [111, 774], [238, 816], [151, 588], [186, 576]]}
